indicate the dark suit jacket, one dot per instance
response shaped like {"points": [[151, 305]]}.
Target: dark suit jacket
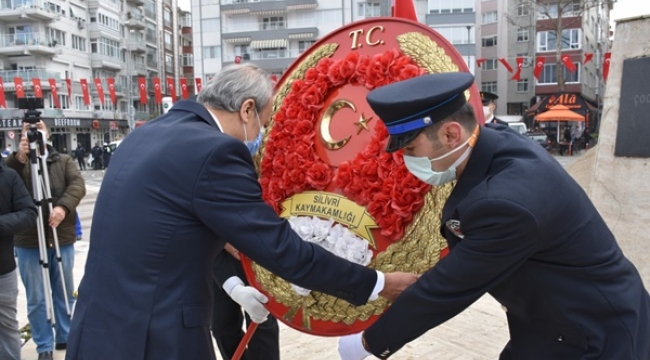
{"points": [[520, 228], [176, 191], [496, 120]]}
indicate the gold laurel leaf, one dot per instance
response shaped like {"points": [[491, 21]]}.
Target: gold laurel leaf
{"points": [[426, 53]]}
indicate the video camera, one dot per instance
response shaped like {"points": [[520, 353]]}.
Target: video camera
{"points": [[32, 116]]}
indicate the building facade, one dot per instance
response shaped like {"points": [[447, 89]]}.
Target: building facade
{"points": [[79, 41]]}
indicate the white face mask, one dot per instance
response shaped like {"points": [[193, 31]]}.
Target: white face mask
{"points": [[487, 112], [421, 167]]}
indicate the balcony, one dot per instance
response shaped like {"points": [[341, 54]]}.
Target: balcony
{"points": [[135, 2], [111, 4], [97, 30], [237, 33], [99, 61], [258, 7], [21, 10], [136, 47], [27, 44], [52, 113], [141, 115], [134, 20], [12, 114], [266, 59], [27, 75], [137, 70], [105, 114]]}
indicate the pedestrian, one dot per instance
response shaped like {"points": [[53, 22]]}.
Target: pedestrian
{"points": [[489, 107], [96, 152], [80, 154], [227, 317], [518, 227], [17, 213], [162, 216], [67, 189], [106, 155]]}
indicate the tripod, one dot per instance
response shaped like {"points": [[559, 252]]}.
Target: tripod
{"points": [[42, 193]]}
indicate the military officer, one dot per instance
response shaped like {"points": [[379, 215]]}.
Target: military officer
{"points": [[489, 105]]}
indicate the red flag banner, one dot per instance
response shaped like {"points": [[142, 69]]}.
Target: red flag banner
{"points": [[505, 63], [606, 62], [3, 101], [171, 89], [38, 90], [184, 92], [588, 57], [68, 84], [85, 91], [520, 65], [20, 88], [568, 63], [404, 9], [157, 90], [198, 84], [142, 85], [55, 93], [539, 66], [480, 62], [111, 90], [100, 90]]}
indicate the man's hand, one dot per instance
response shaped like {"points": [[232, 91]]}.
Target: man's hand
{"points": [[57, 215], [252, 301], [395, 283], [351, 347], [232, 251]]}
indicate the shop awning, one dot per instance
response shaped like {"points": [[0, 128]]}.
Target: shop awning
{"points": [[239, 40], [559, 113], [269, 44], [573, 101]]}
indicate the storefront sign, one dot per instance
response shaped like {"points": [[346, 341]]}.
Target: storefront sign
{"points": [[11, 123], [66, 122]]}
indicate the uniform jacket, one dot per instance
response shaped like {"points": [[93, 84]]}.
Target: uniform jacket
{"points": [[176, 191], [496, 120], [520, 228], [17, 213], [67, 187]]}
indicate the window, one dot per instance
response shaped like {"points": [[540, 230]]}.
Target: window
{"points": [[168, 40], [522, 35], [304, 45], [211, 24], [104, 46], [490, 86], [522, 85], [78, 43], [212, 52], [79, 103], [489, 17], [489, 41], [273, 23], [150, 33], [368, 9], [451, 6], [150, 9], [527, 59], [57, 37], [549, 74], [169, 63], [186, 20], [547, 40], [152, 57], [187, 60], [64, 101], [523, 9], [167, 17], [457, 34], [490, 64], [242, 50]]}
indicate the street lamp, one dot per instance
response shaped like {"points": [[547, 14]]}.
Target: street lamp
{"points": [[469, 28], [129, 81]]}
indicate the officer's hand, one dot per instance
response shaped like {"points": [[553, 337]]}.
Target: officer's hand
{"points": [[351, 347], [232, 251], [395, 283], [252, 301]]}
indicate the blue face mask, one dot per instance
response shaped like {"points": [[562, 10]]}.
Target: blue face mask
{"points": [[254, 146]]}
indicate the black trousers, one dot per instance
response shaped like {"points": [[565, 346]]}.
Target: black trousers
{"points": [[82, 164], [227, 322]]}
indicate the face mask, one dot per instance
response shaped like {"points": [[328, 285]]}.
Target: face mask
{"points": [[254, 146], [487, 112], [421, 167]]}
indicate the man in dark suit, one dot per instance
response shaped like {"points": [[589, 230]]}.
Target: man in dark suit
{"points": [[519, 228], [165, 210], [489, 106]]}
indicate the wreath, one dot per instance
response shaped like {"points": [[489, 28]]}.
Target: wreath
{"points": [[373, 178]]}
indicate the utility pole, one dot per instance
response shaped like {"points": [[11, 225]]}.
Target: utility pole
{"points": [[469, 36], [130, 81]]}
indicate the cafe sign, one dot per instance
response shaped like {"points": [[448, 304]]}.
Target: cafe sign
{"points": [[67, 122], [11, 123]]}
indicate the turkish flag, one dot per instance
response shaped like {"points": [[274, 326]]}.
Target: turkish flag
{"points": [[520, 65], [111, 90], [566, 60], [100, 90], [20, 89], [505, 63], [197, 82], [606, 62], [38, 90], [539, 66], [84, 91], [170, 87], [184, 92], [157, 90], [479, 62], [143, 89], [3, 101], [55, 93], [588, 57], [404, 9], [68, 84]]}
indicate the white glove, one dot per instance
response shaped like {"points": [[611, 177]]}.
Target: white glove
{"points": [[252, 301], [351, 347]]}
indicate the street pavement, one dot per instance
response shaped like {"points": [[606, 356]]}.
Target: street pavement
{"points": [[480, 332]]}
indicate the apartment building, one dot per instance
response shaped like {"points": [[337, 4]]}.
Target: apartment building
{"points": [[75, 42]]}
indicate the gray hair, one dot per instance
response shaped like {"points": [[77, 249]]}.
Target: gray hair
{"points": [[233, 85]]}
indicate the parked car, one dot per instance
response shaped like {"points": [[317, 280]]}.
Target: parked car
{"points": [[540, 137]]}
